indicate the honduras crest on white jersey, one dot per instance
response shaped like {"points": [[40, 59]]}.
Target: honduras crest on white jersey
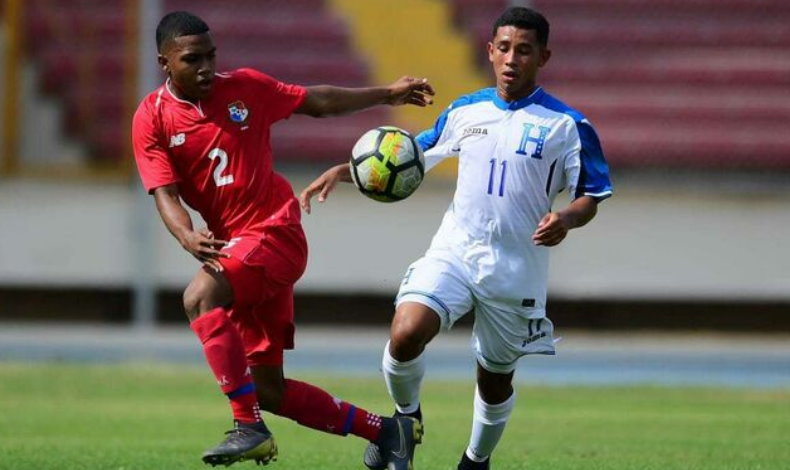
{"points": [[514, 158]]}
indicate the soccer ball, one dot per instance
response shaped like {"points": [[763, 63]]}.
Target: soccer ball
{"points": [[387, 164]]}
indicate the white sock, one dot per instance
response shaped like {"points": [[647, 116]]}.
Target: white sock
{"points": [[403, 380], [487, 426]]}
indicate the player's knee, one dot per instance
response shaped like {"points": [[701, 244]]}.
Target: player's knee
{"points": [[406, 336], [409, 336], [191, 302], [197, 300]]}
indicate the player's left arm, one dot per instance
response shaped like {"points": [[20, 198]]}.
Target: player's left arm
{"points": [[328, 100], [588, 181], [554, 226]]}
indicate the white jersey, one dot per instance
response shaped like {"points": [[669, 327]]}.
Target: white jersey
{"points": [[514, 158]]}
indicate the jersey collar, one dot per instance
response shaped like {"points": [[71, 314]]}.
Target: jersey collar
{"points": [[169, 92], [534, 97]]}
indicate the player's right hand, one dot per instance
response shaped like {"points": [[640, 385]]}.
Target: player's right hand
{"points": [[323, 185], [411, 90], [205, 248]]}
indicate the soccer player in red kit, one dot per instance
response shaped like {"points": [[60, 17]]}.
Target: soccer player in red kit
{"points": [[203, 137]]}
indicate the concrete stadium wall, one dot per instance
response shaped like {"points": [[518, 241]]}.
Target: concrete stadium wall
{"points": [[715, 238]]}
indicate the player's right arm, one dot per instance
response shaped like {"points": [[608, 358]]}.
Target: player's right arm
{"points": [[160, 178], [199, 243], [324, 184]]}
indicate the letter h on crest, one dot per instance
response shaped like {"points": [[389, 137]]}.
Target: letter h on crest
{"points": [[539, 141]]}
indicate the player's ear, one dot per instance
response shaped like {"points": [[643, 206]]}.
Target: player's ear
{"points": [[490, 49], [163, 63], [545, 55]]}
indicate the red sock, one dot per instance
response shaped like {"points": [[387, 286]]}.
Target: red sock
{"points": [[225, 355], [312, 407]]}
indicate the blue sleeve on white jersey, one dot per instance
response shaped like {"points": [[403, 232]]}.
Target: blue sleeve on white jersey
{"points": [[594, 172], [428, 138]]}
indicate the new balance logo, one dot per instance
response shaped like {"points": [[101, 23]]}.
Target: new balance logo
{"points": [[177, 140], [231, 243]]}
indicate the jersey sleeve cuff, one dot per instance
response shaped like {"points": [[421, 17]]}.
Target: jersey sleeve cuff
{"points": [[598, 197], [151, 188]]}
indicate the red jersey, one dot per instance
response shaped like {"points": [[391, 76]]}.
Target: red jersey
{"points": [[218, 150]]}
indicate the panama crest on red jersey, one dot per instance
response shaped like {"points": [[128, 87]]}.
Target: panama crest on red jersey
{"points": [[238, 112]]}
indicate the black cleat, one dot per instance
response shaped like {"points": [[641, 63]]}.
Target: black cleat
{"points": [[372, 457], [468, 464], [399, 436], [243, 442]]}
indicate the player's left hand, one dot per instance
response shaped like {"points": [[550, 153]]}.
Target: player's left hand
{"points": [[410, 90], [552, 229], [323, 185]]}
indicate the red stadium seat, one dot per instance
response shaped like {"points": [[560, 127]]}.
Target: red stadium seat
{"points": [[689, 83], [299, 41]]}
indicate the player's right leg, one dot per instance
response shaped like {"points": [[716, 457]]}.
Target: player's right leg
{"points": [[260, 268], [432, 296], [205, 301], [413, 327]]}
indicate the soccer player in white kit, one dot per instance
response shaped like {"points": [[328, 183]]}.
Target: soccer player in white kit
{"points": [[518, 147]]}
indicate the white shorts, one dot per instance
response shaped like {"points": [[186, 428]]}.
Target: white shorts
{"points": [[502, 332]]}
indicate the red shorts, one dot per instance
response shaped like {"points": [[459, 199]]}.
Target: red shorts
{"points": [[262, 271]]}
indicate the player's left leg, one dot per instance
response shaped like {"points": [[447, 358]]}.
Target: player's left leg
{"points": [[315, 408], [502, 334], [267, 330], [493, 404]]}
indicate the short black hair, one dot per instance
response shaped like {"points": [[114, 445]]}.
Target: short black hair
{"points": [[176, 24], [525, 18]]}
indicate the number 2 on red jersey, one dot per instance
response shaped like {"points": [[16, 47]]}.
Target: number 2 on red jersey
{"points": [[219, 178]]}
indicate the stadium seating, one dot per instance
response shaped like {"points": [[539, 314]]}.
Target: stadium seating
{"points": [[81, 50], [668, 83]]}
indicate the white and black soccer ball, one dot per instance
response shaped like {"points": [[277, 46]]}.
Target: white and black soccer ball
{"points": [[387, 164]]}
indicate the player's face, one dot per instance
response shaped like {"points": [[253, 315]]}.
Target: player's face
{"points": [[189, 61], [516, 57]]}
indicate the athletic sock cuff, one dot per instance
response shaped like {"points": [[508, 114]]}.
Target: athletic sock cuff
{"points": [[396, 367], [207, 325], [493, 414], [243, 390]]}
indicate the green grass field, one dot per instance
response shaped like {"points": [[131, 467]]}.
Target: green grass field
{"points": [[70, 417]]}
